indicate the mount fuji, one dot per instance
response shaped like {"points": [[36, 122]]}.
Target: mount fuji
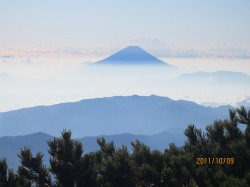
{"points": [[132, 55]]}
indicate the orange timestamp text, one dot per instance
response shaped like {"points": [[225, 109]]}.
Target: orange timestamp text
{"points": [[214, 160]]}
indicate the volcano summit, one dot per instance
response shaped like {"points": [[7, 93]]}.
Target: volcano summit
{"points": [[132, 55]]}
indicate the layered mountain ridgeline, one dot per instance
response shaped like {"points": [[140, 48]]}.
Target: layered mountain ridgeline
{"points": [[10, 146], [217, 156], [218, 77], [145, 115]]}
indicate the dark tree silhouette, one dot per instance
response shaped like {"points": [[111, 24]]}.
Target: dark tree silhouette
{"points": [[65, 159], [32, 169], [112, 167], [7, 176]]}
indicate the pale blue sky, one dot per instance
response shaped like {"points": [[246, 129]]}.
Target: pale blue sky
{"points": [[174, 28], [163, 24]]}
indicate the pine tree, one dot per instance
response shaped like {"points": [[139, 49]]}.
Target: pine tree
{"points": [[7, 176], [32, 169], [65, 160]]}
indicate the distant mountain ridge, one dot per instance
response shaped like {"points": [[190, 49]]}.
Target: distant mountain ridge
{"points": [[10, 146], [132, 55], [225, 77], [111, 115]]}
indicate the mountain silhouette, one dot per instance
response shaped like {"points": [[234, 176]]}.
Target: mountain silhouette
{"points": [[132, 55], [218, 77], [112, 115], [10, 146]]}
